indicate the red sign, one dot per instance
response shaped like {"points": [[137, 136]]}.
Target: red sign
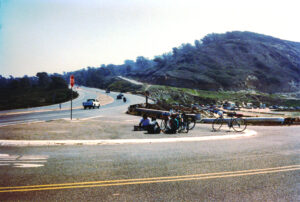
{"points": [[72, 82]]}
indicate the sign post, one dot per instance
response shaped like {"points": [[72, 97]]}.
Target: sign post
{"points": [[147, 93], [72, 84]]}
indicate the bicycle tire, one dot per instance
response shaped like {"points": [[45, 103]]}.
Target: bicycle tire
{"points": [[191, 124], [183, 128], [217, 124], [180, 129], [187, 127], [239, 124]]}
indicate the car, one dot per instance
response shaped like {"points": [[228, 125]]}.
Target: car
{"points": [[107, 91], [273, 107], [91, 103], [120, 96]]}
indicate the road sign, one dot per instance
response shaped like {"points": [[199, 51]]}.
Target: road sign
{"points": [[72, 81], [72, 84]]}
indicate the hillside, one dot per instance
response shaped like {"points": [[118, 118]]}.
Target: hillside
{"points": [[231, 61]]}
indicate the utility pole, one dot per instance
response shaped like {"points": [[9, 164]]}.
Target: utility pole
{"points": [[72, 84], [147, 94]]}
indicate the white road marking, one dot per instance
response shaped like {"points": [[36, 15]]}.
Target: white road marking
{"points": [[16, 161], [20, 122], [247, 133], [20, 165], [22, 161], [93, 117], [33, 157]]}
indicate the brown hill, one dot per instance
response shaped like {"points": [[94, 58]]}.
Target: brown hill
{"points": [[231, 61]]}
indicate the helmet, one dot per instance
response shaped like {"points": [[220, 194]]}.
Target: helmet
{"points": [[220, 113]]}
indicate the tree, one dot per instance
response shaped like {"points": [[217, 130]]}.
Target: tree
{"points": [[142, 62], [57, 82], [197, 44], [25, 82], [44, 79]]}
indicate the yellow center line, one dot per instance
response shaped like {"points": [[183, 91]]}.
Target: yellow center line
{"points": [[149, 180], [153, 181], [153, 178]]}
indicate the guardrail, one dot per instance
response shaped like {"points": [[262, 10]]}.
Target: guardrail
{"points": [[251, 120], [265, 120]]}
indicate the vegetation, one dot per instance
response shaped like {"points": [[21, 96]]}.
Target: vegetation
{"points": [[187, 96], [124, 86], [215, 68], [33, 91], [232, 61]]}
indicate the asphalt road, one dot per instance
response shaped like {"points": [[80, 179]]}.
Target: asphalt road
{"points": [[52, 112], [265, 167]]}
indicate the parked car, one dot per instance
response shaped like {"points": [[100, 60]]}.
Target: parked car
{"points": [[91, 103], [273, 107], [120, 96], [107, 91]]}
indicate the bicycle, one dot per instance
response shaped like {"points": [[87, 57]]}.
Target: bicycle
{"points": [[184, 124], [238, 124]]}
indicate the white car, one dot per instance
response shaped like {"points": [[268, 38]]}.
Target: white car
{"points": [[91, 103]]}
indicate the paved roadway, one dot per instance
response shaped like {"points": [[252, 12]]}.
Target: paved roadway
{"points": [[52, 112], [265, 167]]}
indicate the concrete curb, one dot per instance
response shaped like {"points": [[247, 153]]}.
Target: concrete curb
{"points": [[278, 120], [26, 143]]}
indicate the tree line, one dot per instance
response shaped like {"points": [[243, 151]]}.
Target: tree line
{"points": [[39, 90]]}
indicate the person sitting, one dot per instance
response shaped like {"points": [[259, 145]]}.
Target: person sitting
{"points": [[173, 125], [144, 123], [154, 127]]}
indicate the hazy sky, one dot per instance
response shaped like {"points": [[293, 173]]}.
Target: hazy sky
{"points": [[66, 35]]}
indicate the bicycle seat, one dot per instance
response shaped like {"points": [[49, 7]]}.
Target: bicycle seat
{"points": [[231, 114], [239, 115]]}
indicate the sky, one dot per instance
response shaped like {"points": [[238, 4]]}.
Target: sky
{"points": [[66, 35]]}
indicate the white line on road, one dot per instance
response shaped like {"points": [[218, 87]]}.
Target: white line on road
{"points": [[23, 161], [21, 122], [21, 143], [93, 117]]}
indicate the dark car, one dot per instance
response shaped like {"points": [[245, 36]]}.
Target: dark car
{"points": [[107, 91], [120, 96]]}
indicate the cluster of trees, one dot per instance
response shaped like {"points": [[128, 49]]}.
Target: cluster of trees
{"points": [[39, 90], [42, 81], [106, 76]]}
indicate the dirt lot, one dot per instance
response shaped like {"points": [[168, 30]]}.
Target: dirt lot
{"points": [[118, 127]]}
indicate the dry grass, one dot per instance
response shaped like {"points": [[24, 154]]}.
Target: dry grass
{"points": [[120, 127]]}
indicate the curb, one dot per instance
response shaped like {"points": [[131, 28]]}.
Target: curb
{"points": [[26, 143]]}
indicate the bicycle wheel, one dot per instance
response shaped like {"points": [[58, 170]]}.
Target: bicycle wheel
{"points": [[187, 127], [191, 124], [217, 124], [180, 128], [183, 128], [239, 124]]}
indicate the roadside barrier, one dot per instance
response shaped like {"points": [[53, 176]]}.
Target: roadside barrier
{"points": [[137, 110]]}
